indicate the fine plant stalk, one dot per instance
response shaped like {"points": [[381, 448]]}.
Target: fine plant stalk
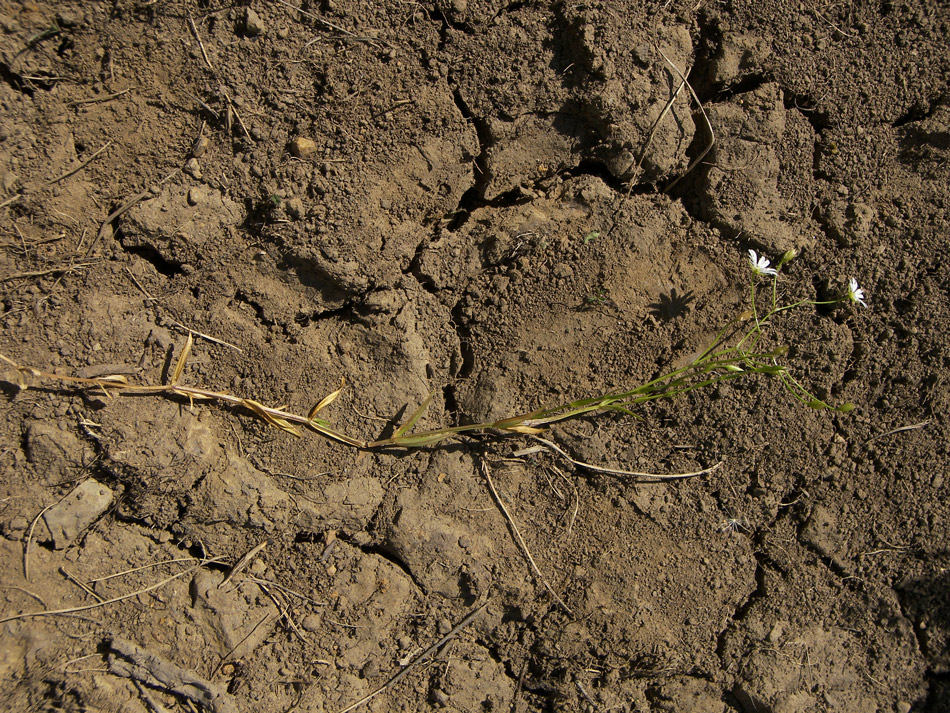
{"points": [[732, 354]]}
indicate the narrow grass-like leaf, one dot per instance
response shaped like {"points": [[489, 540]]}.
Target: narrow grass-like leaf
{"points": [[508, 423], [324, 430], [185, 353], [416, 415], [423, 439], [324, 402], [530, 430], [261, 410]]}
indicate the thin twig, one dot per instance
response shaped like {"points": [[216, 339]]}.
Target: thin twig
{"points": [[139, 569], [284, 610], [712, 135], [238, 644], [517, 533], [128, 205], [96, 100], [899, 429], [11, 199], [42, 273], [243, 562], [643, 150], [286, 590], [194, 30], [27, 592], [418, 660], [206, 337], [82, 585], [617, 471], [175, 322], [78, 168], [29, 543], [237, 114], [319, 19], [130, 595], [146, 696]]}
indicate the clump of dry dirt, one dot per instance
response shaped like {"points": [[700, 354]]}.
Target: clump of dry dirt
{"points": [[501, 205]]}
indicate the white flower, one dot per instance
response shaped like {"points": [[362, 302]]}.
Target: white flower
{"points": [[855, 293], [760, 265]]}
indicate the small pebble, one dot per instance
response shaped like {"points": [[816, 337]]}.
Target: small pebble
{"points": [[193, 168], [253, 25], [295, 208], [312, 623], [196, 194], [370, 668], [445, 626], [200, 146], [302, 147]]}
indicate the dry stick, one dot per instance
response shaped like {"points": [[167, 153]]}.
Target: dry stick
{"points": [[520, 539], [50, 271], [287, 590], [238, 644], [11, 199], [418, 660], [319, 19], [146, 696], [72, 171], [128, 205], [237, 115], [617, 471], [276, 417], [130, 595], [29, 543], [27, 592], [284, 611], [175, 322], [194, 31], [78, 168], [139, 569], [96, 100], [712, 135], [899, 429], [243, 562], [82, 585], [643, 151], [206, 337]]}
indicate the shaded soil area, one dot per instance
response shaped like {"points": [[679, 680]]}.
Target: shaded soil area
{"points": [[501, 205]]}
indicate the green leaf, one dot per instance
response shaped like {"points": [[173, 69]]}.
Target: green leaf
{"points": [[416, 415]]}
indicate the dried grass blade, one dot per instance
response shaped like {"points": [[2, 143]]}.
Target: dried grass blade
{"points": [[185, 353], [618, 471], [335, 435], [324, 402], [262, 411]]}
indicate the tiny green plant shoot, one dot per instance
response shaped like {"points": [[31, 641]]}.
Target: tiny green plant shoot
{"points": [[733, 354]]}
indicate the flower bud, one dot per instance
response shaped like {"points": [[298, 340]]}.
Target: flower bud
{"points": [[788, 256]]}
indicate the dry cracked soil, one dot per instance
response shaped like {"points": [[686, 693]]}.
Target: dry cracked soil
{"points": [[502, 205]]}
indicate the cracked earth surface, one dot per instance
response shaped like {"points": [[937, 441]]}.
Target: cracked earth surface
{"points": [[503, 205]]}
